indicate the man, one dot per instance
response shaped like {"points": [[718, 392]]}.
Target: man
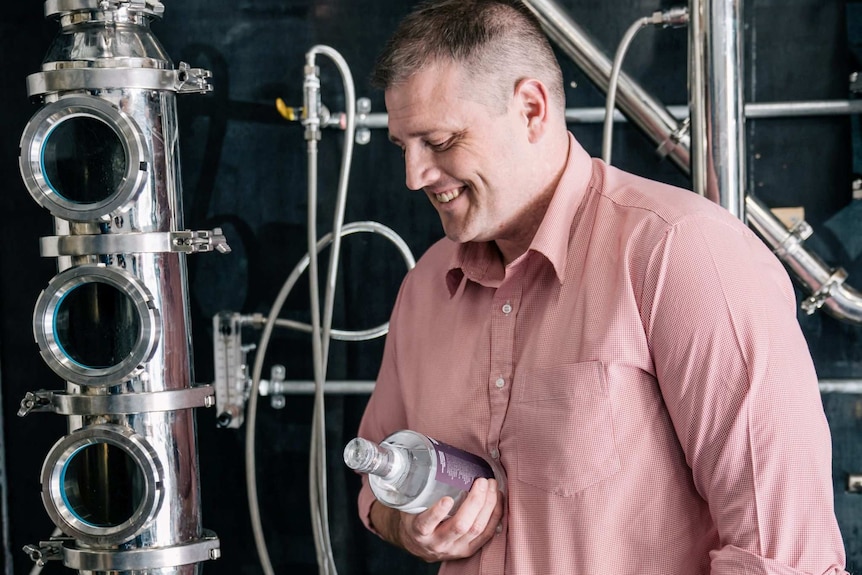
{"points": [[625, 353]]}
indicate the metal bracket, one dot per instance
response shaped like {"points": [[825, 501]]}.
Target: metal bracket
{"points": [[189, 242], [125, 403], [363, 108], [277, 375]]}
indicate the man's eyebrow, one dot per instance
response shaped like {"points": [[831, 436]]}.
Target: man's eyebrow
{"points": [[419, 134]]}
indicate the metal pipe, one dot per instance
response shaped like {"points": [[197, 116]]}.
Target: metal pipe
{"points": [[840, 300], [717, 118], [358, 387], [759, 110], [827, 285], [640, 107], [840, 386], [803, 108]]}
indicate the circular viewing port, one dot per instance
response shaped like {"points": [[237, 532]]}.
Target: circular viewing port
{"points": [[96, 325], [83, 159], [102, 484]]}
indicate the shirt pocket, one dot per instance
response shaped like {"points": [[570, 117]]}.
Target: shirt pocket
{"points": [[564, 429]]}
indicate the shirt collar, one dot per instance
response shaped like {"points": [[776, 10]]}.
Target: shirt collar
{"points": [[480, 261]]}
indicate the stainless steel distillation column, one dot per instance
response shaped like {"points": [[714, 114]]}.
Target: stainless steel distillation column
{"points": [[101, 155]]}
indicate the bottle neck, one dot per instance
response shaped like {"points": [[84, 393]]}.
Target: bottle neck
{"points": [[368, 457]]}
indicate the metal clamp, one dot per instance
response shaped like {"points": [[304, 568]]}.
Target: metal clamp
{"points": [[187, 241], [672, 141], [363, 109], [45, 551], [204, 549], [816, 300], [192, 80], [795, 236], [152, 7], [122, 404], [183, 80], [200, 241]]}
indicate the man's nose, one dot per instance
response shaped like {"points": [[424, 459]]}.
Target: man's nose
{"points": [[420, 167]]}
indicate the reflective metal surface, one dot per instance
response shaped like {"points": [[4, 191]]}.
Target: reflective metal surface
{"points": [[83, 158], [830, 290], [717, 109], [102, 157], [641, 108]]}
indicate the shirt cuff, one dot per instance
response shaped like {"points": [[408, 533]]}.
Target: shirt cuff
{"points": [[732, 560]]}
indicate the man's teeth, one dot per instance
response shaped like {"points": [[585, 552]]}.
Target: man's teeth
{"points": [[447, 197]]}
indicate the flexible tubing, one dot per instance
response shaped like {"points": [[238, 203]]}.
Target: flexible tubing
{"points": [[610, 102], [321, 330], [321, 333], [257, 370]]}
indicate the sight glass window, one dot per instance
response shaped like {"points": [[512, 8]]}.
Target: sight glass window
{"points": [[96, 325], [102, 485], [84, 160]]}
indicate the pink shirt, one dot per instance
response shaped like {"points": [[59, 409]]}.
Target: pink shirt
{"points": [[640, 377]]}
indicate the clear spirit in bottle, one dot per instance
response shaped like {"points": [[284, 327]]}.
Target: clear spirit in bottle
{"points": [[411, 472]]}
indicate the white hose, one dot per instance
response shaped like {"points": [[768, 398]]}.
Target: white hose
{"points": [[321, 330], [610, 102]]}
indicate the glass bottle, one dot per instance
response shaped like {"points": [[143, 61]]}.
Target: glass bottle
{"points": [[411, 472]]}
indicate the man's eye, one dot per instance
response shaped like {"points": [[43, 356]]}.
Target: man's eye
{"points": [[440, 146]]}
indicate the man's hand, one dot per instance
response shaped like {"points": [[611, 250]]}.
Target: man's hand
{"points": [[433, 536]]}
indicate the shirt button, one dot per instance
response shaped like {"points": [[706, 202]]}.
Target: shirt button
{"points": [[507, 308], [495, 453], [500, 383]]}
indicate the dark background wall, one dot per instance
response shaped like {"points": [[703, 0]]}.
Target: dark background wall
{"points": [[244, 170]]}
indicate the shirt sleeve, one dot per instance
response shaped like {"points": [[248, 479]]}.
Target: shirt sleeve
{"points": [[740, 386], [384, 413]]}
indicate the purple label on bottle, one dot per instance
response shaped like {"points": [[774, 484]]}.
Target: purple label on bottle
{"points": [[459, 468]]}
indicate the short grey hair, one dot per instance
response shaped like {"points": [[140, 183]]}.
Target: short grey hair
{"points": [[499, 42]]}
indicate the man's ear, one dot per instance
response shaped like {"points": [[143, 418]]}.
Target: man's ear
{"points": [[531, 96]]}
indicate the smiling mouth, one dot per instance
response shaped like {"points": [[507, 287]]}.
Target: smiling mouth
{"points": [[446, 197]]}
